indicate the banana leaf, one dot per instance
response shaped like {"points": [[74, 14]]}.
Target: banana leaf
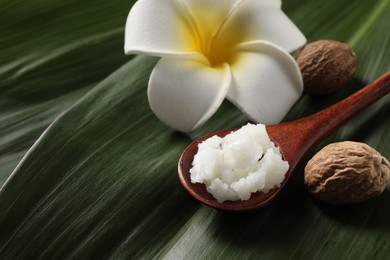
{"points": [[89, 172]]}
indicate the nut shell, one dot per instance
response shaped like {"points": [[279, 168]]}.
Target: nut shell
{"points": [[326, 65], [347, 172]]}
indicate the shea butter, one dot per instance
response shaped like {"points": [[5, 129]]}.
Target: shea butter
{"points": [[239, 164]]}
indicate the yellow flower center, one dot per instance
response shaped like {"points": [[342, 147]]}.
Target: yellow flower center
{"points": [[215, 42], [218, 48]]}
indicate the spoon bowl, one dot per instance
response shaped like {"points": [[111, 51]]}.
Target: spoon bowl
{"points": [[294, 139]]}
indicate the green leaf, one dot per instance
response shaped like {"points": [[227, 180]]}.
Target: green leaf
{"points": [[48, 51], [101, 181]]}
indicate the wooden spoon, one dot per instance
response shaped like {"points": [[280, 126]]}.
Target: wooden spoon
{"points": [[294, 140]]}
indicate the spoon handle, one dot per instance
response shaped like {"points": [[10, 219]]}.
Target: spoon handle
{"points": [[307, 132]]}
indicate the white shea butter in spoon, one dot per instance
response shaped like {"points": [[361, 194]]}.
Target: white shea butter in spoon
{"points": [[239, 164]]}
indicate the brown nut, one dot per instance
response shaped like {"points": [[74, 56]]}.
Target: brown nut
{"points": [[326, 65], [347, 172]]}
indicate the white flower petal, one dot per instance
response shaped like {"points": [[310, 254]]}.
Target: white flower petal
{"points": [[209, 12], [207, 15], [184, 94], [159, 29], [266, 82], [255, 20]]}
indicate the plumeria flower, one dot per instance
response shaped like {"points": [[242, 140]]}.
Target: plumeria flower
{"points": [[212, 49]]}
